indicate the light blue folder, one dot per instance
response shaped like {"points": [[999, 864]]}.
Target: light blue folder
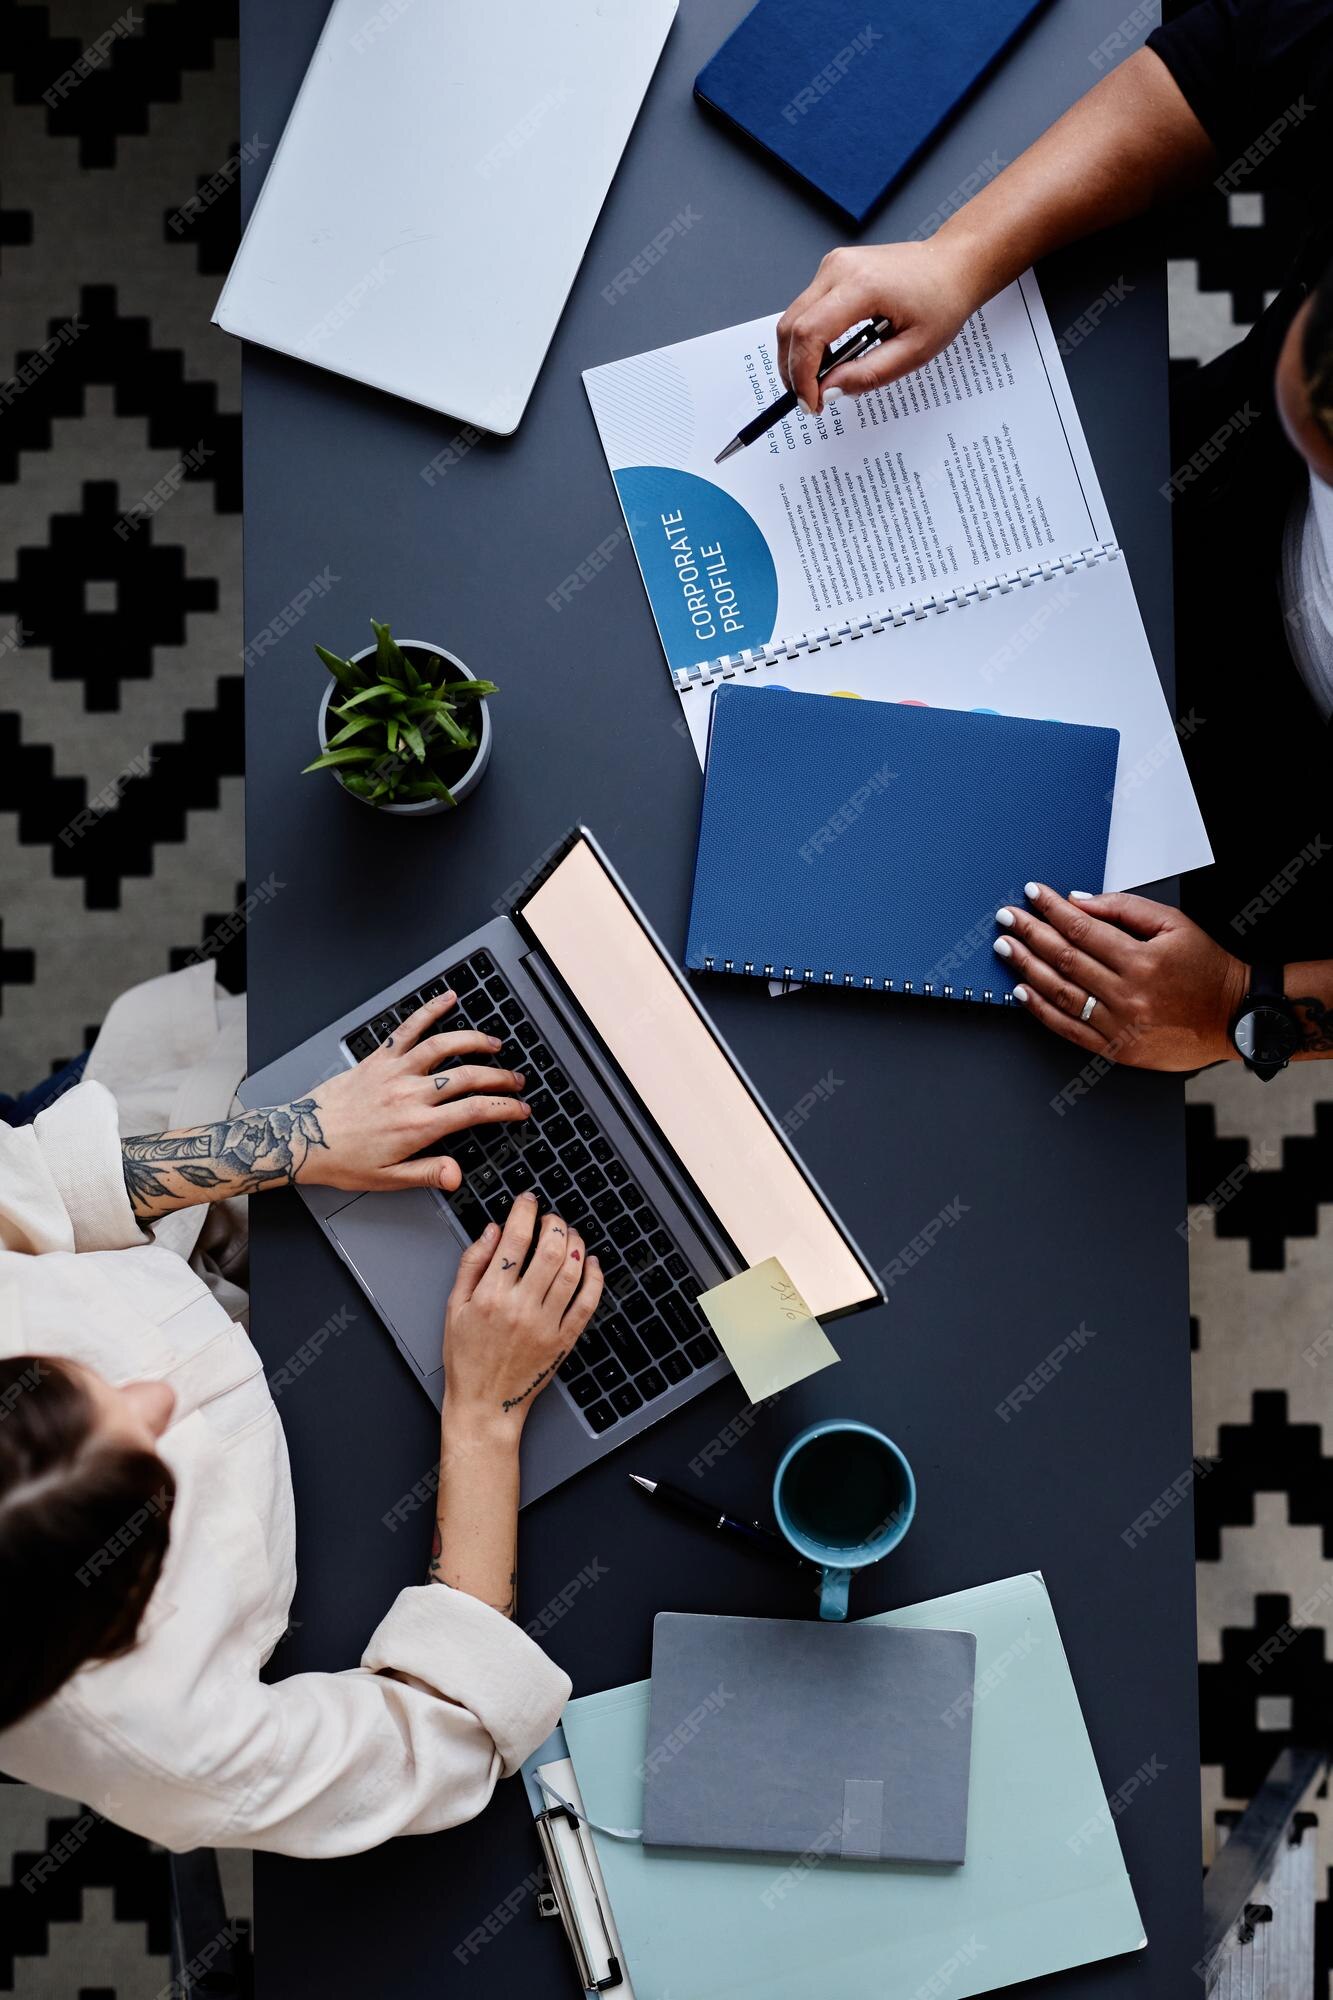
{"points": [[1043, 1887]]}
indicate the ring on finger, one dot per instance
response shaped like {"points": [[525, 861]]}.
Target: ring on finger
{"points": [[1088, 1006]]}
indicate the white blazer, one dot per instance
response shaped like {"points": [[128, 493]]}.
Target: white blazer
{"points": [[180, 1740]]}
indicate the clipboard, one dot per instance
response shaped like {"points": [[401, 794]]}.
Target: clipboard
{"points": [[575, 1893]]}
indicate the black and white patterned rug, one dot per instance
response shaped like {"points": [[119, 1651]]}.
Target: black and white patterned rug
{"points": [[121, 846]]}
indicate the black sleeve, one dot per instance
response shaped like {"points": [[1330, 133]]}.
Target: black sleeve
{"points": [[1243, 64]]}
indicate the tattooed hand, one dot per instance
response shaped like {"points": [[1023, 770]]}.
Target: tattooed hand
{"points": [[358, 1130], [507, 1329]]}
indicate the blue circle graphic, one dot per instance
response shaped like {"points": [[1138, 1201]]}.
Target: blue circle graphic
{"points": [[710, 575]]}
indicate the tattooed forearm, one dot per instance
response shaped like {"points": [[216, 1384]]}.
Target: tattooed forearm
{"points": [[512, 1402], [1316, 1019], [260, 1149], [435, 1567]]}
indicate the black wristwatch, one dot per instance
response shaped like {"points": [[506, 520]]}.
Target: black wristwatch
{"points": [[1267, 1029]]}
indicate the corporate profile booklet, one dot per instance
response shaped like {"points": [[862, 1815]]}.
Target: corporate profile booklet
{"points": [[943, 540]]}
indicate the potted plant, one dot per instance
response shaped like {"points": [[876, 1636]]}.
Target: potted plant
{"points": [[404, 728]]}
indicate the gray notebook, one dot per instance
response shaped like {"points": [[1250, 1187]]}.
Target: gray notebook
{"points": [[789, 1737]]}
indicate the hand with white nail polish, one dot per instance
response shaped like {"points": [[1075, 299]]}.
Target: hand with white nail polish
{"points": [[1123, 977]]}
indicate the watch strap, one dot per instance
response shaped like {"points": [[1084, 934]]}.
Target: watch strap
{"points": [[1266, 982]]}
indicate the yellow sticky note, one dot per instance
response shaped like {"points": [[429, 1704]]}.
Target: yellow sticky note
{"points": [[767, 1331]]}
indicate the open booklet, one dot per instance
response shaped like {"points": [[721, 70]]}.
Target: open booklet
{"points": [[943, 541]]}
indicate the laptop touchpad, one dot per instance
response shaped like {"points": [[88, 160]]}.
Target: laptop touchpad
{"points": [[405, 1255]]}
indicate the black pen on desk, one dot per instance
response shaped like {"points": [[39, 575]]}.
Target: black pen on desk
{"points": [[852, 349], [763, 1540]]}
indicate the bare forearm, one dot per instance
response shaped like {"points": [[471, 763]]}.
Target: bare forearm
{"points": [[476, 1520], [260, 1149], [1130, 142]]}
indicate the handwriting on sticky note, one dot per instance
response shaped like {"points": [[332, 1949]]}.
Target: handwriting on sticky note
{"points": [[767, 1331]]}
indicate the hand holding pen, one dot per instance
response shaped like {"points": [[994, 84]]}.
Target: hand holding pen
{"points": [[852, 349]]}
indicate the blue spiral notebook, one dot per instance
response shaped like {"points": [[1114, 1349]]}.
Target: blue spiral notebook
{"points": [[870, 843], [848, 92]]}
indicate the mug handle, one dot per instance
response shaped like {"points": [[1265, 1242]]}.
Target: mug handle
{"points": [[833, 1588]]}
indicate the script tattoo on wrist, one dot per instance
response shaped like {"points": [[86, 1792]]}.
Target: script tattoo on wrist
{"points": [[260, 1149], [1316, 1019], [512, 1402]]}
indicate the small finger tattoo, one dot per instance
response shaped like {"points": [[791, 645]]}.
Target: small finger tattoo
{"points": [[576, 1255], [443, 1082], [507, 1263], [389, 1043], [556, 1229]]}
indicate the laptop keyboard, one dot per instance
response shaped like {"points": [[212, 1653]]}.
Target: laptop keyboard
{"points": [[648, 1334]]}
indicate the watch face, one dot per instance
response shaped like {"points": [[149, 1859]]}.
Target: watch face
{"points": [[1267, 1035]]}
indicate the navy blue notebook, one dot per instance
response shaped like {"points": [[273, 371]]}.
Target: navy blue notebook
{"points": [[870, 843], [847, 92]]}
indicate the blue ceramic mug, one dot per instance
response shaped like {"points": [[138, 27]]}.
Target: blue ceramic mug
{"points": [[844, 1496]]}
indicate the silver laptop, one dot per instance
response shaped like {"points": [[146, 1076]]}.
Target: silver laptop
{"points": [[645, 1134], [428, 206]]}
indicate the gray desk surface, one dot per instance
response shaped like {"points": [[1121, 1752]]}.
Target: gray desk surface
{"points": [[1063, 1221]]}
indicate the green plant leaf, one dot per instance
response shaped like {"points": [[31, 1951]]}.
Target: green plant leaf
{"points": [[344, 671], [391, 734], [352, 728], [332, 757], [391, 663], [393, 695], [433, 785], [465, 690], [415, 741]]}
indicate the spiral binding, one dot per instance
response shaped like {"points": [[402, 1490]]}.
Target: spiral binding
{"points": [[706, 673], [789, 976]]}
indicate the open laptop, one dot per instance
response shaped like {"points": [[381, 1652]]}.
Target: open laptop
{"points": [[645, 1134], [430, 201]]}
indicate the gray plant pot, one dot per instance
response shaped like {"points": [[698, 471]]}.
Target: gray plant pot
{"points": [[470, 779]]}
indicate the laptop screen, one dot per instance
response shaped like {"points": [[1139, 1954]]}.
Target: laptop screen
{"points": [[633, 999]]}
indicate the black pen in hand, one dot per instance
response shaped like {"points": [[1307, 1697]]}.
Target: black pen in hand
{"points": [[761, 1539], [853, 348]]}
